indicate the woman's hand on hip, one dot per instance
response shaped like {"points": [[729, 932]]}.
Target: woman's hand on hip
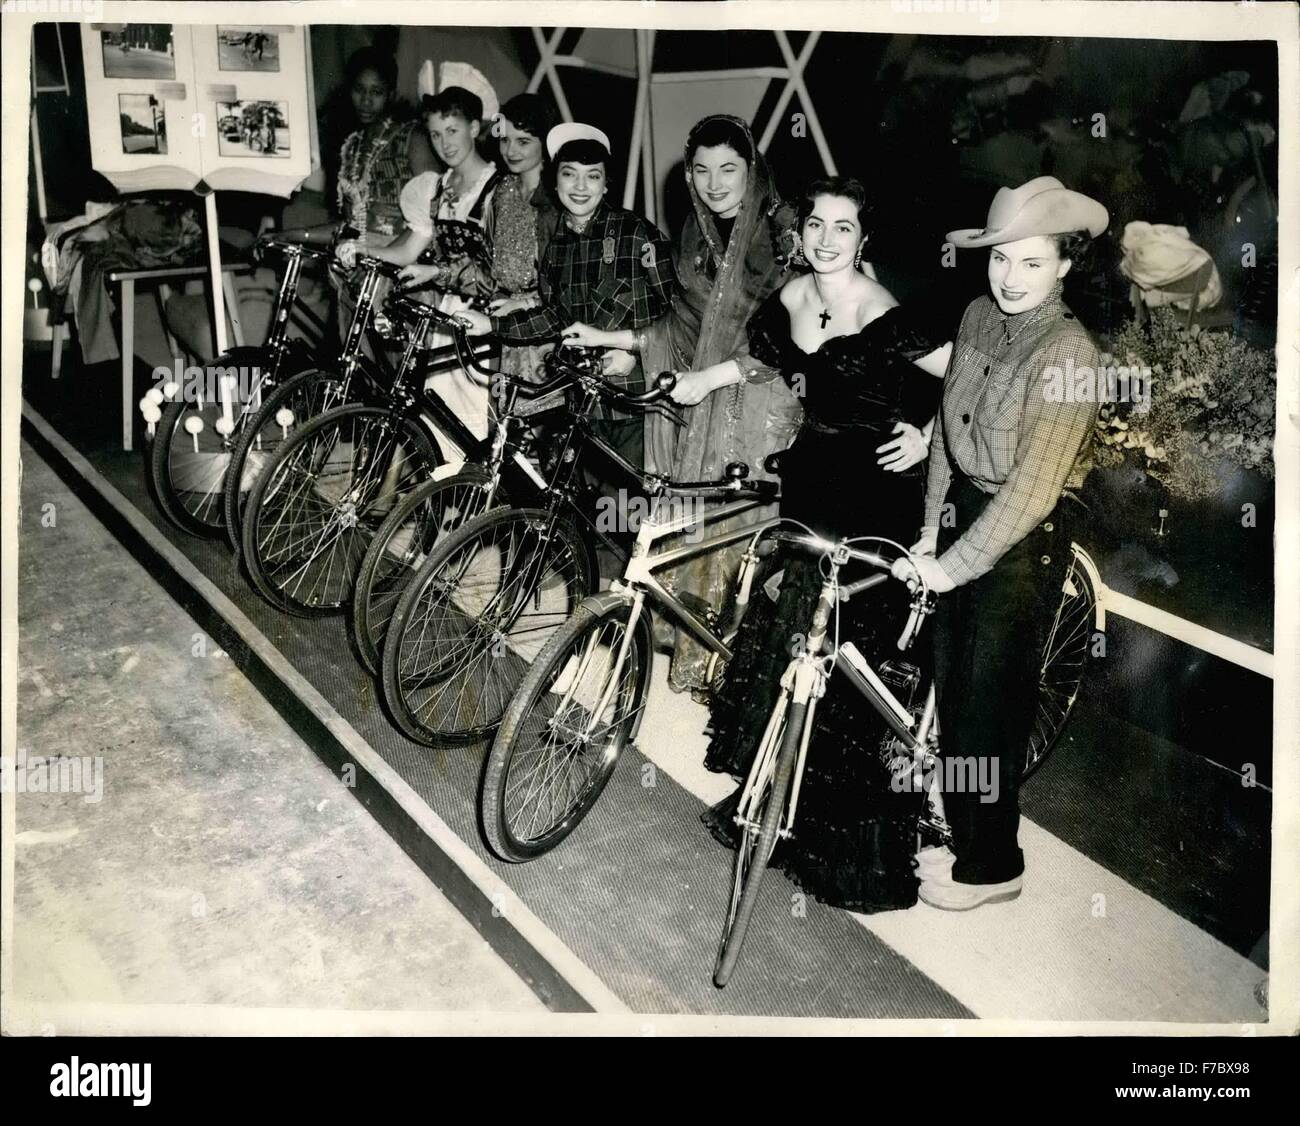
{"points": [[908, 449]]}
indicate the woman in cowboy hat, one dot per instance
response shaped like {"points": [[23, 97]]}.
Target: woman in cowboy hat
{"points": [[998, 518]]}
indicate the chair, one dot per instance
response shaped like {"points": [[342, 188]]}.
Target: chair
{"points": [[164, 277]]}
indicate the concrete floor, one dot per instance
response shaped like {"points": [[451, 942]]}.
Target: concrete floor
{"points": [[223, 864]]}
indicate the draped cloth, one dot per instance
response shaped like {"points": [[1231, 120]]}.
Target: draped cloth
{"points": [[1167, 268], [720, 287]]}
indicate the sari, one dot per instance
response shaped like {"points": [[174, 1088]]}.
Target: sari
{"points": [[721, 286]]}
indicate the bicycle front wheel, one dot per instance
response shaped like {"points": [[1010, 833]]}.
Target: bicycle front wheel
{"points": [[404, 541], [575, 711], [284, 411], [475, 616], [758, 836], [192, 448], [316, 505]]}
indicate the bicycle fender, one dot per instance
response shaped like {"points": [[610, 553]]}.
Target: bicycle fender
{"points": [[608, 601]]}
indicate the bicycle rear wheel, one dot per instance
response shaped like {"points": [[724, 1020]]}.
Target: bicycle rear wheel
{"points": [[474, 617], [433, 510], [1065, 658], [757, 840], [314, 508], [560, 740], [284, 410]]}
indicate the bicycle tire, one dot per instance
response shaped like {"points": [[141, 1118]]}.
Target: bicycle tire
{"points": [[377, 591], [747, 875], [519, 723], [1065, 659], [204, 480], [308, 394], [408, 631], [260, 525]]}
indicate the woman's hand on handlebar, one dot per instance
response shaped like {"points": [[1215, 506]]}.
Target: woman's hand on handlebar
{"points": [[581, 335], [346, 252], [476, 323], [616, 362], [922, 568], [417, 276], [692, 387], [928, 544]]}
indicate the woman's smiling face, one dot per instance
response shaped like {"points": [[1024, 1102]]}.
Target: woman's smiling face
{"points": [[831, 234], [1022, 273], [580, 187], [452, 137], [719, 175], [521, 151]]}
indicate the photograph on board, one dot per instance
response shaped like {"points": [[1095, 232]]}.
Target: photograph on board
{"points": [[139, 50], [248, 48], [254, 128], [144, 124]]}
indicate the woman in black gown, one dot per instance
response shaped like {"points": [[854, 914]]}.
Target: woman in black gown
{"points": [[865, 370]]}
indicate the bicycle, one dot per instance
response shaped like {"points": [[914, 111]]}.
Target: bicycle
{"points": [[581, 701], [310, 393], [578, 706], [769, 796], [195, 433], [495, 470], [483, 601], [312, 509]]}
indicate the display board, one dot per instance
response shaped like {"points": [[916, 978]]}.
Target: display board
{"points": [[181, 105]]}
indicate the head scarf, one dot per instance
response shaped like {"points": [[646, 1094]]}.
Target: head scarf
{"points": [[724, 284]]}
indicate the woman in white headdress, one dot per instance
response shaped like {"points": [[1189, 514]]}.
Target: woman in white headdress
{"points": [[445, 216]]}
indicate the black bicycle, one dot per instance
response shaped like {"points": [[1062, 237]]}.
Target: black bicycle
{"points": [[510, 462], [197, 428], [486, 598]]}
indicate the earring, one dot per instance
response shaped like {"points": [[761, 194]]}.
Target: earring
{"points": [[857, 258], [796, 254]]}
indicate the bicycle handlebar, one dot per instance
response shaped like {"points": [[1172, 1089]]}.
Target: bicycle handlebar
{"points": [[842, 551]]}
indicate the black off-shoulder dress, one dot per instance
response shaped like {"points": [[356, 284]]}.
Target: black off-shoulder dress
{"points": [[854, 836]]}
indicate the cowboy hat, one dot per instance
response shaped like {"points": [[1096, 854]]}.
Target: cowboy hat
{"points": [[568, 131], [1043, 206]]}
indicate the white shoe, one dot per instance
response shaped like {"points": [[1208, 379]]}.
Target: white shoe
{"points": [[949, 895], [934, 863]]}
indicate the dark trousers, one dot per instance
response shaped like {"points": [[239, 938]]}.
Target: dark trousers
{"points": [[988, 643]]}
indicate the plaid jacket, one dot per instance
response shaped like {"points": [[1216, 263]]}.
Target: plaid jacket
{"points": [[1001, 428], [616, 274]]}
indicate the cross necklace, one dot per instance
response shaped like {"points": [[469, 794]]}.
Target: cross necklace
{"points": [[824, 316]]}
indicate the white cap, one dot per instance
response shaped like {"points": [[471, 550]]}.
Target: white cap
{"points": [[562, 134]]}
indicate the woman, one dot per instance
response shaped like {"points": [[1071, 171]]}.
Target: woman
{"points": [[445, 216], [521, 217], [1007, 455], [728, 259], [867, 373], [377, 158]]}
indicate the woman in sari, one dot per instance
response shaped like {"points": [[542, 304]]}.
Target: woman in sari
{"points": [[729, 257]]}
